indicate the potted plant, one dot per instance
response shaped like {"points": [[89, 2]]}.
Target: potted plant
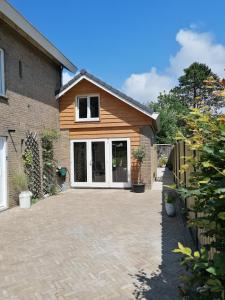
{"points": [[20, 181], [170, 204], [139, 155], [163, 160]]}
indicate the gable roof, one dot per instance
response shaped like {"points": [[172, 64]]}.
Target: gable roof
{"points": [[13, 18], [111, 90]]}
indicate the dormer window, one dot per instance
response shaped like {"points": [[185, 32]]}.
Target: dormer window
{"points": [[87, 108], [2, 73]]}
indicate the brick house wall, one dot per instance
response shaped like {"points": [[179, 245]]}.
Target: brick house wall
{"points": [[30, 103]]}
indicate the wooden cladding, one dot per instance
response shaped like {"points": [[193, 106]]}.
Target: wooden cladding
{"points": [[98, 133], [113, 112], [117, 119]]}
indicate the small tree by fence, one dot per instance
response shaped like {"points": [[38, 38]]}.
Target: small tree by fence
{"points": [[199, 167], [179, 155]]}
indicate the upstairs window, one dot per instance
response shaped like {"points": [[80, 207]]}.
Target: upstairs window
{"points": [[2, 73], [87, 108]]}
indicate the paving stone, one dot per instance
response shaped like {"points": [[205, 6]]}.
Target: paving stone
{"points": [[86, 244]]}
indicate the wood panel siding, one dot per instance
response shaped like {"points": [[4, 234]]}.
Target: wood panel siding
{"points": [[113, 112], [130, 132], [117, 119]]}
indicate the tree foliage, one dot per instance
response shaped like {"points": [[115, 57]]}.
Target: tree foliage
{"points": [[195, 84], [192, 85], [170, 111], [206, 135]]}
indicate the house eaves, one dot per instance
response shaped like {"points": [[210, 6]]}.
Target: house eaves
{"points": [[111, 90], [14, 19]]}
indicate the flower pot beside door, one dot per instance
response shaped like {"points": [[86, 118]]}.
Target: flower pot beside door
{"points": [[21, 184], [139, 155], [25, 199], [138, 187]]}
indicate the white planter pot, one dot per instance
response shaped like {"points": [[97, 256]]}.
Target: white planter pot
{"points": [[170, 209], [25, 199]]}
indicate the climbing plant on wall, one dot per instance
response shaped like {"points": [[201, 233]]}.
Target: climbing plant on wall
{"points": [[49, 163]]}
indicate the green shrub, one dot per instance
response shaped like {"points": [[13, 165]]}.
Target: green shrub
{"points": [[205, 136], [20, 181], [139, 155], [168, 198], [163, 160]]}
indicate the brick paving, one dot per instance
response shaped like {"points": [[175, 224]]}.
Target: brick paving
{"points": [[84, 244]]}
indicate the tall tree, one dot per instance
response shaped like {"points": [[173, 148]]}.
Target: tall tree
{"points": [[170, 110], [193, 86]]}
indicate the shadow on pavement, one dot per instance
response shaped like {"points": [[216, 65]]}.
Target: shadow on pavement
{"points": [[164, 285]]}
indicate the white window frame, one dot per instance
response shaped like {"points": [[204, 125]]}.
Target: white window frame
{"points": [[2, 70], [88, 119], [108, 164]]}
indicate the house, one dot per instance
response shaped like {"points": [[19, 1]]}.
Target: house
{"points": [[102, 126], [30, 73]]}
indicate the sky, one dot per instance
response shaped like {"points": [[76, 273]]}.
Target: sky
{"points": [[139, 46]]}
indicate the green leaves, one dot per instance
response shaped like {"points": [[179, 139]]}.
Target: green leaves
{"points": [[215, 285], [207, 164], [205, 193], [204, 180], [183, 250], [221, 215]]}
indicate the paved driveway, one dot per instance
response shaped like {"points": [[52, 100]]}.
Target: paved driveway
{"points": [[87, 244]]}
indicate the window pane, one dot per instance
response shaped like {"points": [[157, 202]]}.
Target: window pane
{"points": [[98, 161], [119, 161], [94, 107], [80, 162], [82, 108]]}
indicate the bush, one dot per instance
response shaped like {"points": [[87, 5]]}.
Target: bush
{"points": [[20, 181], [205, 136], [139, 155], [163, 160]]}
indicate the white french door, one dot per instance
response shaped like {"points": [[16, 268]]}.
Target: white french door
{"points": [[100, 163], [3, 174]]}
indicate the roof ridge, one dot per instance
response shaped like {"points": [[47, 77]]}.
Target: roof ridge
{"points": [[121, 94]]}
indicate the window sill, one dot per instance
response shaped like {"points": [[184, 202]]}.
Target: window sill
{"points": [[87, 120]]}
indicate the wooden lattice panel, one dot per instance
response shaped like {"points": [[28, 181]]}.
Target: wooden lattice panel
{"points": [[33, 170]]}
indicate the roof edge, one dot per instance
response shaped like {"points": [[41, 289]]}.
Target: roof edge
{"points": [[116, 93], [32, 34]]}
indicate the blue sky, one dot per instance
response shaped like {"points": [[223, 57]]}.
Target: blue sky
{"points": [[130, 43]]}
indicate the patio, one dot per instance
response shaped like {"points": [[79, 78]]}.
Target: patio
{"points": [[90, 244]]}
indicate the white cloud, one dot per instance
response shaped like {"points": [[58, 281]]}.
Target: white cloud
{"points": [[147, 86], [194, 46], [198, 47], [66, 76]]}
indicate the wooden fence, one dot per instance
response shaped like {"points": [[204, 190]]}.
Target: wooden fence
{"points": [[164, 149], [179, 154]]}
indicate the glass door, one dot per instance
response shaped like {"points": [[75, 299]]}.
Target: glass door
{"points": [[3, 193], [88, 163], [120, 162], [98, 161], [80, 162]]}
